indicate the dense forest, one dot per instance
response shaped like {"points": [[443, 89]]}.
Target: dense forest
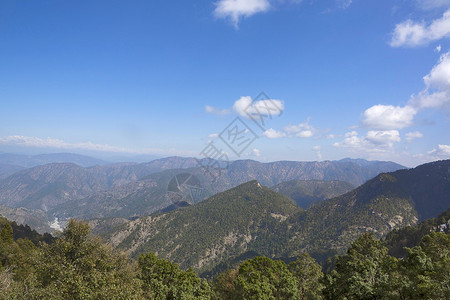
{"points": [[78, 265]]}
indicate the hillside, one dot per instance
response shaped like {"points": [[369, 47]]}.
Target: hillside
{"points": [[21, 231], [254, 219], [411, 236], [308, 192], [136, 198], [388, 201], [425, 185], [245, 218], [36, 219], [8, 169]]}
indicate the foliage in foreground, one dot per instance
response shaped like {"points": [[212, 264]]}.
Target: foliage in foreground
{"points": [[78, 265], [368, 272]]}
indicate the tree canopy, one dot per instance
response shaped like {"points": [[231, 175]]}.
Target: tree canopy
{"points": [[78, 265]]}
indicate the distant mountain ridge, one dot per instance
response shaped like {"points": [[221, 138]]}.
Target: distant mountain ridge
{"points": [[29, 161], [131, 189], [272, 173]]}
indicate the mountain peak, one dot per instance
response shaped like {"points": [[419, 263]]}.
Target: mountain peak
{"points": [[251, 183]]}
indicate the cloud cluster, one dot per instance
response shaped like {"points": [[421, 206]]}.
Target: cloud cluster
{"points": [[443, 151], [437, 91], [302, 130], [389, 117], [256, 152], [384, 121], [374, 141], [436, 94], [246, 107], [410, 33], [235, 10], [273, 134]]}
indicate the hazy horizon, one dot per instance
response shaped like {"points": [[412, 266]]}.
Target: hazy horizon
{"points": [[148, 158], [300, 81]]}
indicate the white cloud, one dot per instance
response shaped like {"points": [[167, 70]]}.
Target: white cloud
{"points": [[384, 138], [410, 33], [256, 152], [273, 134], [331, 136], [302, 130], [351, 140], [317, 150], [386, 117], [241, 105], [435, 95], [374, 141], [248, 108], [235, 10], [438, 48], [437, 91], [413, 135], [304, 134], [297, 128], [439, 77], [36, 142], [443, 151], [213, 135], [215, 111]]}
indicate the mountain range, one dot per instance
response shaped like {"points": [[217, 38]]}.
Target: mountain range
{"points": [[251, 219], [130, 189], [28, 161]]}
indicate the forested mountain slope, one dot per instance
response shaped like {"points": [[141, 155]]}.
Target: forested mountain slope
{"points": [[253, 218]]}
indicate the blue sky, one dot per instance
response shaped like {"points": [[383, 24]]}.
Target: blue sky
{"points": [[363, 79]]}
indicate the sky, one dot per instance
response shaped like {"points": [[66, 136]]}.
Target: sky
{"points": [[237, 79]]}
